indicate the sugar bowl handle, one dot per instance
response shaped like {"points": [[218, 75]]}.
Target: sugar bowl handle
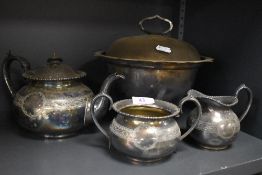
{"points": [[92, 111], [6, 70], [199, 113], [250, 99]]}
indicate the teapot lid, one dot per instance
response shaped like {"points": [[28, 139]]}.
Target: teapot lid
{"points": [[54, 70]]}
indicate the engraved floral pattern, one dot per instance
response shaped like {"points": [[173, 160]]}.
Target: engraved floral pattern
{"points": [[144, 136]]}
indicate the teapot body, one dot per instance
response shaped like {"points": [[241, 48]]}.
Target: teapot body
{"points": [[144, 139], [217, 128], [52, 109], [54, 104]]}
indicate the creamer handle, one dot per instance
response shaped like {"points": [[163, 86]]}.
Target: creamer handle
{"points": [[250, 99], [199, 114]]}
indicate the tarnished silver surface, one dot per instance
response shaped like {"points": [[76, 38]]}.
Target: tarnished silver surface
{"points": [[156, 82], [54, 104], [218, 125], [145, 138], [51, 108]]}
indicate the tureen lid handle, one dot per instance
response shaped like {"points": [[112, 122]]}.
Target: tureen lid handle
{"points": [[155, 17]]}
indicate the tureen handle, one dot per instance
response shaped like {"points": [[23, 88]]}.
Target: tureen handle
{"points": [[250, 99], [155, 17], [92, 111], [199, 113], [6, 70]]}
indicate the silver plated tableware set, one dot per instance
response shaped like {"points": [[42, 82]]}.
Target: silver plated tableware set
{"points": [[55, 104]]}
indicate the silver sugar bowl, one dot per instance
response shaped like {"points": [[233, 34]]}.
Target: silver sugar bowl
{"points": [[144, 133], [219, 125]]}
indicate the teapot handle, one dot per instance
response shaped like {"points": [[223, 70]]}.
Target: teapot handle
{"points": [[199, 114], [92, 111], [250, 99], [6, 70]]}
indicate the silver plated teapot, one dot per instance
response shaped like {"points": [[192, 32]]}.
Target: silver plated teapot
{"points": [[144, 133], [54, 101], [218, 125]]}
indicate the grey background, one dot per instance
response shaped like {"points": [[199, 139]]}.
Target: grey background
{"points": [[229, 31]]}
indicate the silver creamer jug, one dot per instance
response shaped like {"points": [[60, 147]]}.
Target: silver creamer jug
{"points": [[219, 125]]}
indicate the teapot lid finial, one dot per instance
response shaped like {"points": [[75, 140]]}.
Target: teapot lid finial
{"points": [[54, 59]]}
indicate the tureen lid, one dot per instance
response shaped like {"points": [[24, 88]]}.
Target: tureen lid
{"points": [[153, 47], [54, 70]]}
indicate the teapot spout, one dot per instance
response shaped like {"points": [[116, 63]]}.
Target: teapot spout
{"points": [[108, 81], [102, 104]]}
